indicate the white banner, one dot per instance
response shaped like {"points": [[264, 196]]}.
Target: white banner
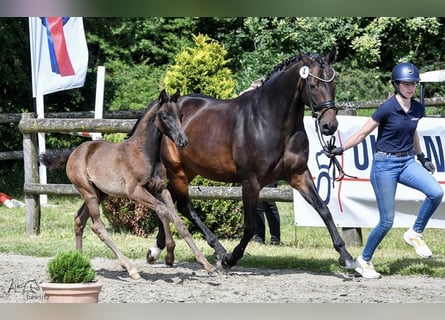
{"points": [[352, 201], [59, 54]]}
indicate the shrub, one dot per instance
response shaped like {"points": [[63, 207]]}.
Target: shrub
{"points": [[201, 69], [223, 217], [125, 215], [70, 267]]}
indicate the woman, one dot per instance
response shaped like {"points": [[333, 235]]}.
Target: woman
{"points": [[397, 143]]}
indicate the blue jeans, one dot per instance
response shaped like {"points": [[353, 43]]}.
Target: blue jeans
{"points": [[386, 172]]}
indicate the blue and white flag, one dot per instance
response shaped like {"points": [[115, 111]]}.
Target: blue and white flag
{"points": [[59, 54]]}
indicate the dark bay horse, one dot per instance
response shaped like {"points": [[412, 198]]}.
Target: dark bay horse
{"points": [[255, 139], [131, 169]]}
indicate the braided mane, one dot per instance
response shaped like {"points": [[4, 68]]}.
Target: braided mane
{"points": [[283, 66]]}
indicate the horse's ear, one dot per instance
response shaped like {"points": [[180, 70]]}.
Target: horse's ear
{"points": [[330, 57], [175, 97], [163, 97], [304, 58]]}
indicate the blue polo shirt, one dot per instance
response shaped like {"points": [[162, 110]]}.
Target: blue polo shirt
{"points": [[396, 128]]}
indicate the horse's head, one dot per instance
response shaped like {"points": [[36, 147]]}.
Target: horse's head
{"points": [[319, 83], [168, 119]]}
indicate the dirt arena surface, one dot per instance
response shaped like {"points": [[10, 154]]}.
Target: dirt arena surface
{"points": [[189, 283]]}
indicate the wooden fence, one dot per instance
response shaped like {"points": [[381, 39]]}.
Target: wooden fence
{"points": [[6, 118]]}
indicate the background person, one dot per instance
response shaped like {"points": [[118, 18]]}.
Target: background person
{"points": [[270, 210]]}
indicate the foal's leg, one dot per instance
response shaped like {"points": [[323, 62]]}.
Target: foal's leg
{"points": [[183, 231], [169, 242], [80, 220], [99, 229], [154, 252], [141, 195], [178, 177], [178, 187], [166, 212], [305, 185]]}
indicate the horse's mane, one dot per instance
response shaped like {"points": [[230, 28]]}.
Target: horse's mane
{"points": [[283, 65], [148, 109]]}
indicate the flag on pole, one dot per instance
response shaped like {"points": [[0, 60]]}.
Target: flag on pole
{"points": [[59, 54]]}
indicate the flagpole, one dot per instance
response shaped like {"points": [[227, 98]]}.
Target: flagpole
{"points": [[59, 61], [99, 103], [42, 146]]}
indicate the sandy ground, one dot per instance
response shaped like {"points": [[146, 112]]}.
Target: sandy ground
{"points": [[189, 283]]}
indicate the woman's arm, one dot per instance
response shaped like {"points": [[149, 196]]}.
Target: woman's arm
{"points": [[416, 143], [361, 134]]}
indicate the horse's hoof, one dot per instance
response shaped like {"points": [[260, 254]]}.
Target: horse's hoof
{"points": [[213, 273], [218, 261], [153, 255], [349, 264], [134, 275], [225, 265], [169, 264]]}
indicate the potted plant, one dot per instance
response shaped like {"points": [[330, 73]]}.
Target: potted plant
{"points": [[71, 279]]}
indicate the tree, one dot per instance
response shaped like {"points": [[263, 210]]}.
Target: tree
{"points": [[261, 43], [135, 52], [388, 40]]}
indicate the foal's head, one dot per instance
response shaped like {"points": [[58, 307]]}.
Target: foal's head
{"points": [[168, 119]]}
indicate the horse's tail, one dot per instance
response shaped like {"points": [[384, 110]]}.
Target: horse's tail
{"points": [[54, 159]]}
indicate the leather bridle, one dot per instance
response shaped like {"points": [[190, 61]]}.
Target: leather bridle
{"points": [[323, 106]]}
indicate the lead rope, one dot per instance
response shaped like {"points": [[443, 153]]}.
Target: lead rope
{"points": [[334, 164]]}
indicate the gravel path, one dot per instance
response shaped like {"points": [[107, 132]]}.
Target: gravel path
{"points": [[189, 283]]}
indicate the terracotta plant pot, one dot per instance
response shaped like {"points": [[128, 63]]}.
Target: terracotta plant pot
{"points": [[71, 292]]}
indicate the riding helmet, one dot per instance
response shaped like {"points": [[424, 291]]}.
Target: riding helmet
{"points": [[405, 71]]}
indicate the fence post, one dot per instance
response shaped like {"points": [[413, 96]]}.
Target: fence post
{"points": [[31, 170], [352, 236]]}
